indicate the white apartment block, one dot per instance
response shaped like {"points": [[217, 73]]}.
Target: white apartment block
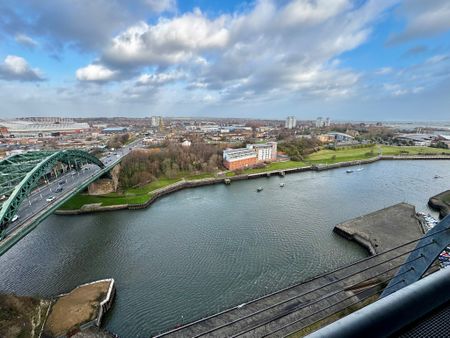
{"points": [[156, 121], [264, 151], [291, 122]]}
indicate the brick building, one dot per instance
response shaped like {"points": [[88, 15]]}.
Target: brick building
{"points": [[247, 157], [239, 158]]}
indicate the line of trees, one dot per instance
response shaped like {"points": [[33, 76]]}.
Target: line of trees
{"points": [[144, 166], [298, 148], [118, 140]]}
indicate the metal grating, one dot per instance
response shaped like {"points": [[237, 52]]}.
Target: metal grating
{"points": [[437, 324]]}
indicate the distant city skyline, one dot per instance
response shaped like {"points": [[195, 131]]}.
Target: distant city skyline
{"points": [[424, 122], [361, 60]]}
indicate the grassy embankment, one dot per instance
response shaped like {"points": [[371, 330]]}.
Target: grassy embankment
{"points": [[144, 193], [130, 196]]}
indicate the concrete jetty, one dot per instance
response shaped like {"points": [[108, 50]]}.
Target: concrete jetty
{"points": [[441, 203], [80, 309], [383, 229], [77, 313]]}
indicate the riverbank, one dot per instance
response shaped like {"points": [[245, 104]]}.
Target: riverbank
{"points": [[441, 203], [81, 309], [145, 196]]}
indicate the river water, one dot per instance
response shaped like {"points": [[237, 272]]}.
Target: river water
{"points": [[202, 250]]}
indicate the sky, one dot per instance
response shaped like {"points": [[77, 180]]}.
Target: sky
{"points": [[348, 60]]}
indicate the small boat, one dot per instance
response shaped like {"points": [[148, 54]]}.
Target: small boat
{"points": [[259, 189], [360, 169], [349, 171], [282, 185], [437, 176]]}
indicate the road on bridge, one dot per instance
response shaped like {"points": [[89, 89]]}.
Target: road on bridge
{"points": [[70, 182]]}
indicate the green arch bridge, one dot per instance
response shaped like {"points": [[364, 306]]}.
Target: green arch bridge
{"points": [[20, 175]]}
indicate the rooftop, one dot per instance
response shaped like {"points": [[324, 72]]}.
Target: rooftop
{"points": [[238, 153], [27, 126]]}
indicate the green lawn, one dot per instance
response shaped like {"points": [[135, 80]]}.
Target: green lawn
{"points": [[276, 166], [131, 196], [145, 189], [393, 150], [327, 156], [199, 176]]}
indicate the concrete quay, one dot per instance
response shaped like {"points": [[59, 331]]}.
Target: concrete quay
{"points": [[441, 203], [379, 230], [80, 309], [77, 313], [306, 306]]}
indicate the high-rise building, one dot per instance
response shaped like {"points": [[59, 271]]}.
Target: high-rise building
{"points": [[319, 122], [156, 121], [291, 122]]}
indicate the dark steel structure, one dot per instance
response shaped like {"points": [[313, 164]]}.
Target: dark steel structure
{"points": [[421, 259]]}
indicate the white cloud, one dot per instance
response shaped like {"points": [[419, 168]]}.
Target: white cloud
{"points": [[437, 58], [424, 19], [159, 79], [269, 51], [160, 6], [395, 89], [26, 40], [17, 68], [85, 25], [95, 73], [169, 41], [311, 12], [384, 71]]}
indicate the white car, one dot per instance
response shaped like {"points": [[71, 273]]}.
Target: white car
{"points": [[51, 198], [15, 218]]}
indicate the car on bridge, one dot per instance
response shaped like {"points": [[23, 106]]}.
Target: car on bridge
{"points": [[59, 189], [50, 198]]}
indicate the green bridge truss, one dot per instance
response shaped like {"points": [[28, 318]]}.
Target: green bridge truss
{"points": [[20, 174]]}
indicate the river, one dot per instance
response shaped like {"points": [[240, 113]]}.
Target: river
{"points": [[202, 250]]}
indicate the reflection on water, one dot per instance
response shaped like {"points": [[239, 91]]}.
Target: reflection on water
{"points": [[202, 250]]}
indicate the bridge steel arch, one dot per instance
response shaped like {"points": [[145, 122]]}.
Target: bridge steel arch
{"points": [[20, 174], [422, 257]]}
